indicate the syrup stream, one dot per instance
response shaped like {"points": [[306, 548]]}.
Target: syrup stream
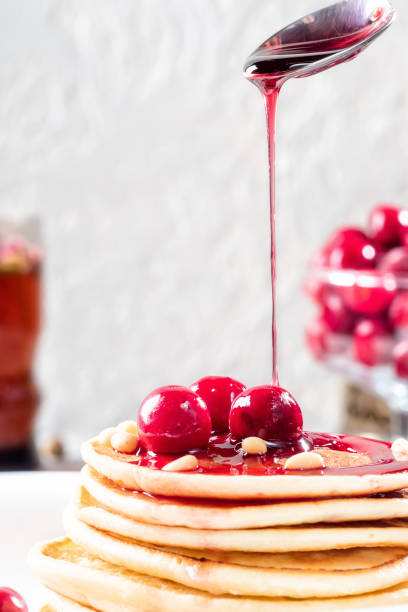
{"points": [[270, 100]]}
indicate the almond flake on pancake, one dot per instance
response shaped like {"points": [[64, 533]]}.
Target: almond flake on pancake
{"points": [[338, 459], [187, 463], [304, 461]]}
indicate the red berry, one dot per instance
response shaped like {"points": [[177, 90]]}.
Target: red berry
{"points": [[335, 313], [398, 312], [218, 392], [384, 225], [321, 341], [372, 342], [269, 412], [344, 235], [400, 359], [350, 248], [11, 601], [395, 261], [370, 293], [173, 419], [317, 338]]}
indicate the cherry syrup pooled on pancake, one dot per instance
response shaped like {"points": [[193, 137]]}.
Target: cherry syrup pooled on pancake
{"points": [[11, 601], [223, 455]]}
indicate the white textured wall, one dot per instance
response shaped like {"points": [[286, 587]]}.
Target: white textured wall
{"points": [[127, 126]]}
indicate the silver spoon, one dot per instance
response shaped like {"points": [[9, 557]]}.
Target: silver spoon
{"points": [[320, 40]]}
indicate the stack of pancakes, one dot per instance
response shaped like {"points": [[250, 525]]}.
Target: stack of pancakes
{"points": [[241, 543]]}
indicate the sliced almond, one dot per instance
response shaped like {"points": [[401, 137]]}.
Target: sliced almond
{"points": [[129, 427], [399, 449], [124, 442], [106, 435], [187, 463], [254, 446], [304, 461]]}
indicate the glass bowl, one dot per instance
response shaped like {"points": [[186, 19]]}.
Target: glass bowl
{"points": [[361, 331]]}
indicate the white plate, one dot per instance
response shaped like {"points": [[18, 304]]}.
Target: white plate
{"points": [[31, 505]]}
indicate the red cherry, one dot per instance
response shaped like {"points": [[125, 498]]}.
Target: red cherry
{"points": [[350, 248], [321, 341], [400, 359], [398, 312], [317, 337], [11, 601], [173, 419], [395, 261], [335, 313], [372, 342], [370, 294], [384, 225], [218, 392], [344, 235], [269, 412]]}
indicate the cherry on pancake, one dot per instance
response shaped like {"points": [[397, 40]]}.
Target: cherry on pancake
{"points": [[268, 412], [173, 419], [219, 393], [11, 601]]}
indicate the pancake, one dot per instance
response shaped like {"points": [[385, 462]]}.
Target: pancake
{"points": [[83, 578], [119, 468], [319, 536], [361, 570], [198, 514]]}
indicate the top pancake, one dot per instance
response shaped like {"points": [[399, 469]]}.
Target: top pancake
{"points": [[119, 468]]}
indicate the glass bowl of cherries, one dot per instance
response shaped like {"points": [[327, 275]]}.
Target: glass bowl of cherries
{"points": [[359, 283]]}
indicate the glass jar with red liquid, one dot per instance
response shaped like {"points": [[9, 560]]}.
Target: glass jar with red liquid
{"points": [[20, 318], [359, 283]]}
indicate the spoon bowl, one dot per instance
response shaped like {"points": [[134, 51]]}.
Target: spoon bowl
{"points": [[320, 40]]}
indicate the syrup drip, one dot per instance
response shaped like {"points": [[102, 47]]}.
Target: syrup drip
{"points": [[271, 99], [224, 456]]}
